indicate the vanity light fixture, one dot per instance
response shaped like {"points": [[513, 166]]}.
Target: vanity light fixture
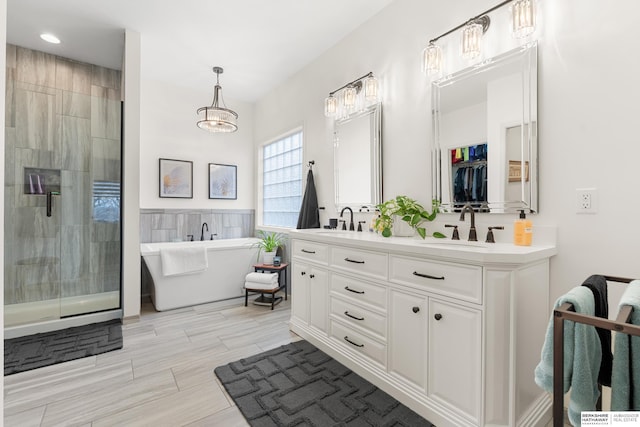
{"points": [[350, 94], [50, 38], [215, 118], [523, 21], [523, 18]]}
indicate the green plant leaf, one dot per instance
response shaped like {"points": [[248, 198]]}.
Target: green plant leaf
{"points": [[386, 232], [422, 232], [438, 235]]}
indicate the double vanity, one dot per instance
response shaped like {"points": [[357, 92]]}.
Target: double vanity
{"points": [[452, 329]]}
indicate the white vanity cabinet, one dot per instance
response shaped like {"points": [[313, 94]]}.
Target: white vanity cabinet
{"points": [[452, 332]]}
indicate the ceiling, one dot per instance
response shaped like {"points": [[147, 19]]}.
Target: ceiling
{"points": [[259, 43]]}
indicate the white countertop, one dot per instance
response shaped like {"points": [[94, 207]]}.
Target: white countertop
{"points": [[446, 249]]}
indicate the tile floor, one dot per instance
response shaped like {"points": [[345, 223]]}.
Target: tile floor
{"points": [[162, 377]]}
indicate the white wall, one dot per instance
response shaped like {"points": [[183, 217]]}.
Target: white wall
{"points": [[587, 105], [3, 69], [168, 130]]}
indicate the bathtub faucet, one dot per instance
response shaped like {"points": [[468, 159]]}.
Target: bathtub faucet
{"points": [[204, 225]]}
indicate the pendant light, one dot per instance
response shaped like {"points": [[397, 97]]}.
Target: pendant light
{"points": [[215, 118]]}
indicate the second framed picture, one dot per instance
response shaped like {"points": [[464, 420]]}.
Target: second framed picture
{"points": [[223, 181]]}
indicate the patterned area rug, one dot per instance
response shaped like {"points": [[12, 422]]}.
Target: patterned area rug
{"points": [[35, 351], [299, 385]]}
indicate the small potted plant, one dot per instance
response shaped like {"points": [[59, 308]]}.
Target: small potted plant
{"points": [[409, 211], [268, 245]]}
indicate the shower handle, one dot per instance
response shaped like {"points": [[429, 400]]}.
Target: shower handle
{"points": [[50, 195]]}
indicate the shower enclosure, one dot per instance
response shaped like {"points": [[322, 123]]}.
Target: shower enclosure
{"points": [[62, 193]]}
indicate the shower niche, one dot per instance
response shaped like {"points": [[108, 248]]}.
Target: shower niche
{"points": [[39, 181]]}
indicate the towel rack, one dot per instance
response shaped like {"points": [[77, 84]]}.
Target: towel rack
{"points": [[566, 312]]}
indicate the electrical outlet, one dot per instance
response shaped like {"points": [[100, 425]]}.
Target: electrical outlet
{"points": [[586, 200]]}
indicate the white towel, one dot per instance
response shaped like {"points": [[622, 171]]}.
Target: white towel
{"points": [[183, 260], [262, 278], [261, 286]]}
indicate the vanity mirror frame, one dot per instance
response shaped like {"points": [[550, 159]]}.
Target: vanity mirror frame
{"points": [[523, 186], [371, 187]]}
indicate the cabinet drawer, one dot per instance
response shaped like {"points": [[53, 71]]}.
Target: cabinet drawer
{"points": [[311, 251], [360, 317], [360, 291], [454, 280], [372, 264], [359, 343]]}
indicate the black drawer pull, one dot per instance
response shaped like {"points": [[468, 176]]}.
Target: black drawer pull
{"points": [[415, 309], [437, 316], [428, 276], [302, 273], [346, 338], [354, 261], [346, 313], [351, 290], [312, 275], [307, 252]]}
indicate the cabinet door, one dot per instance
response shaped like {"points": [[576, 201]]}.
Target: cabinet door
{"points": [[318, 299], [455, 362], [300, 291], [408, 317]]}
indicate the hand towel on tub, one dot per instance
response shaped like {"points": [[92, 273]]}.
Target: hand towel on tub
{"points": [[582, 356], [625, 378], [183, 260]]}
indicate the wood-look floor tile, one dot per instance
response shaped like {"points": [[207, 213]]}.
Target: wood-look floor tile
{"points": [[111, 400], [230, 417], [28, 418], [176, 409]]}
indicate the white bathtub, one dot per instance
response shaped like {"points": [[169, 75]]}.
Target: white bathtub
{"points": [[229, 261]]}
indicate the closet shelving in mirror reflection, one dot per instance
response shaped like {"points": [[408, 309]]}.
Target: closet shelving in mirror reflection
{"points": [[352, 98]]}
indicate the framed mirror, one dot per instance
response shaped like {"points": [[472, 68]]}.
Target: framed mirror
{"points": [[357, 159], [485, 135]]}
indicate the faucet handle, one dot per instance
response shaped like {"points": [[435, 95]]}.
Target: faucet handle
{"points": [[213, 234], [456, 235], [360, 225], [190, 237], [344, 223], [490, 238]]}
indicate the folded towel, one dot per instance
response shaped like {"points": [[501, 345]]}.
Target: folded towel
{"points": [[262, 277], [625, 379], [183, 260], [598, 285], [261, 286], [582, 356]]}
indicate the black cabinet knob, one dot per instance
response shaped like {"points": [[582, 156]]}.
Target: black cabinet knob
{"points": [[303, 273], [312, 275], [415, 309], [437, 316]]}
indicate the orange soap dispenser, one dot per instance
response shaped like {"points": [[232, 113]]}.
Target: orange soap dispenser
{"points": [[522, 230]]}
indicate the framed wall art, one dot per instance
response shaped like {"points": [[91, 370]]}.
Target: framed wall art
{"points": [[223, 181], [176, 178]]}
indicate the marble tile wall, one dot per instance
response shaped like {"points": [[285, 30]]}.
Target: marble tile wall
{"points": [[167, 225], [65, 115]]}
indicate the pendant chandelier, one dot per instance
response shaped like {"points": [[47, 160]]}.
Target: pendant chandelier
{"points": [[215, 118]]}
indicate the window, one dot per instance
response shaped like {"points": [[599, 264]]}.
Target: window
{"points": [[282, 181]]}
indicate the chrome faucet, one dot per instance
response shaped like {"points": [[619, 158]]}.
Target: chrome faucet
{"points": [[204, 225], [344, 226], [472, 231]]}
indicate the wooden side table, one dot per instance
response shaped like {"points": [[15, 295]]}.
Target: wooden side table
{"points": [[282, 283]]}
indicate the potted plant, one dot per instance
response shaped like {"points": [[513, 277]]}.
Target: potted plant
{"points": [[409, 211], [268, 245]]}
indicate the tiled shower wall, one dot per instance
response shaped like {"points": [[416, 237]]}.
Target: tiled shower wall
{"points": [[61, 115], [168, 225]]}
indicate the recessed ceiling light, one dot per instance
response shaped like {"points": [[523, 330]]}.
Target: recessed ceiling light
{"points": [[50, 38]]}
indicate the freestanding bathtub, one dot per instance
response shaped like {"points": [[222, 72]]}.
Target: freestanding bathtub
{"points": [[229, 261]]}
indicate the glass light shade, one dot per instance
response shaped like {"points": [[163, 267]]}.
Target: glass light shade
{"points": [[371, 89], [349, 97], [217, 120], [432, 59], [523, 18], [330, 106], [471, 39]]}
